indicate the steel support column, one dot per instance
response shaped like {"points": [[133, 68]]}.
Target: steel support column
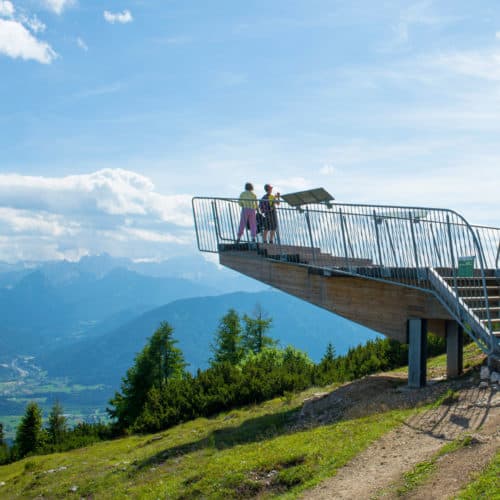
{"points": [[454, 349], [417, 352]]}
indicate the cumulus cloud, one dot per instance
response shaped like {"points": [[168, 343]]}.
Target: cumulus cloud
{"points": [[118, 17], [110, 191], [112, 210], [17, 42], [6, 8], [58, 6]]}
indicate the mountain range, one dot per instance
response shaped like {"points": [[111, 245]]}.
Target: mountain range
{"points": [[86, 321]]}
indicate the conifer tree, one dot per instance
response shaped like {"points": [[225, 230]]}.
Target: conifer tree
{"points": [[254, 333], [29, 431], [160, 360], [228, 346], [57, 426], [329, 355]]}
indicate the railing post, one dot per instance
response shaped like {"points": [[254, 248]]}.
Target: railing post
{"points": [[414, 241], [216, 222], [344, 240], [234, 230], [452, 255], [309, 229], [497, 270], [379, 249], [436, 247]]}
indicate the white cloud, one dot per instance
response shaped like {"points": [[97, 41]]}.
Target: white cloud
{"points": [[42, 224], [154, 236], [58, 6], [497, 35], [17, 42], [118, 17], [113, 192], [33, 23], [6, 8], [81, 43], [114, 211]]}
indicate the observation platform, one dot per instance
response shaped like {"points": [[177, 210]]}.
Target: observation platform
{"points": [[401, 271]]}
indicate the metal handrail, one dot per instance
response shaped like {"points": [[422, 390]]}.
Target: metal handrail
{"points": [[382, 242]]}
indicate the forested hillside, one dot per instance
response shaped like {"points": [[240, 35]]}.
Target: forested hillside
{"points": [[295, 322]]}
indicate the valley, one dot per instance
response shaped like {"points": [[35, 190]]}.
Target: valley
{"points": [[71, 330]]}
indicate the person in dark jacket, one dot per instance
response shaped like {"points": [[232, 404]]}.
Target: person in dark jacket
{"points": [[267, 206]]}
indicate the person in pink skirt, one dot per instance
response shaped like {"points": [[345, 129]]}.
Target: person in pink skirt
{"points": [[248, 203]]}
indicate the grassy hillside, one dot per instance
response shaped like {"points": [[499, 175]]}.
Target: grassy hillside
{"points": [[264, 450], [235, 454]]}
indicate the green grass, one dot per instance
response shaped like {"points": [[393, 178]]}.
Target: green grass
{"points": [[486, 485], [255, 451], [235, 455]]}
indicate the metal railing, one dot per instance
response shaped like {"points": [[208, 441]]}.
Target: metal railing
{"points": [[403, 245]]}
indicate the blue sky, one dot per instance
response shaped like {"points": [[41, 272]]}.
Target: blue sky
{"points": [[114, 114]]}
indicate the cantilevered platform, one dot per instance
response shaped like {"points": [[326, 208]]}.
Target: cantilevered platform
{"points": [[401, 271]]}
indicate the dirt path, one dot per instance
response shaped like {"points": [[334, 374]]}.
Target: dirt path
{"points": [[373, 473]]}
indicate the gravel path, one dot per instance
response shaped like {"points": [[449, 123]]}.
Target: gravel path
{"points": [[373, 473]]}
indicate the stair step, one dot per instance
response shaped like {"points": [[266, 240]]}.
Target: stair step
{"points": [[495, 322], [477, 288], [481, 297], [471, 278]]}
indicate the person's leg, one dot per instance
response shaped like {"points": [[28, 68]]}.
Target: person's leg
{"points": [[243, 223], [253, 223], [272, 226]]}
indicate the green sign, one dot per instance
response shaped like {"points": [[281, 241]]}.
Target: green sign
{"points": [[466, 267]]}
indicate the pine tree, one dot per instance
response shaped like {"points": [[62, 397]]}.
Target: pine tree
{"points": [[329, 355], [57, 426], [228, 346], [254, 334], [160, 360], [29, 431]]}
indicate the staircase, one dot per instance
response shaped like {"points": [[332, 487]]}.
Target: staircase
{"points": [[418, 248], [474, 302]]}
